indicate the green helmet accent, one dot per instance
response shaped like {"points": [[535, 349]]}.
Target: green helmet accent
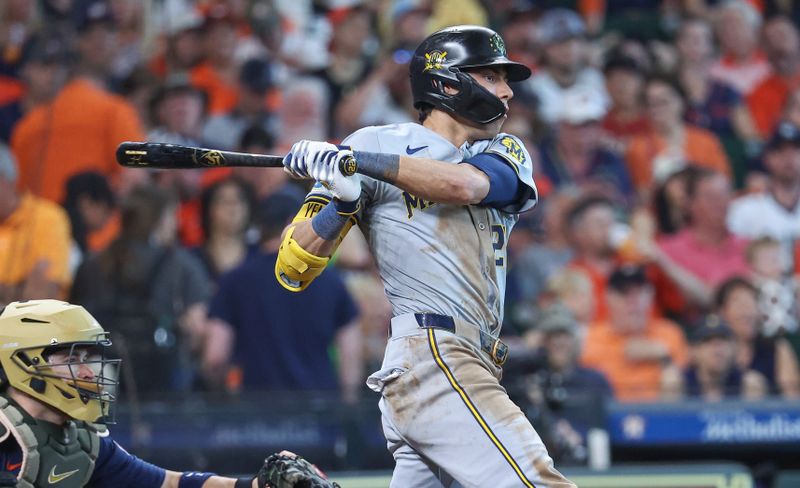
{"points": [[32, 333]]}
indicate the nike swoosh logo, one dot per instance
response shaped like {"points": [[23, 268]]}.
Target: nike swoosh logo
{"points": [[411, 150], [54, 478], [13, 467]]}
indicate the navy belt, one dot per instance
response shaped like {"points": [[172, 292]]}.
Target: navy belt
{"points": [[495, 348]]}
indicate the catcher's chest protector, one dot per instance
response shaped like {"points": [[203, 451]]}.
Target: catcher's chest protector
{"points": [[52, 455]]}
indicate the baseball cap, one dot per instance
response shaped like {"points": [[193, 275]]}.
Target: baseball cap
{"points": [[92, 12], [256, 74], [626, 277], [785, 133], [556, 318], [711, 329], [46, 50], [623, 63], [8, 164], [402, 7], [560, 24], [582, 106]]}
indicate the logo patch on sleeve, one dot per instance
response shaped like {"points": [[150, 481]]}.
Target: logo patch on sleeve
{"points": [[513, 149]]}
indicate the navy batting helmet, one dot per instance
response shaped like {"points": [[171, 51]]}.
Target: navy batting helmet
{"points": [[441, 59]]}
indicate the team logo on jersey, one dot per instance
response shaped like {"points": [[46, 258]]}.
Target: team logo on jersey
{"points": [[435, 60], [414, 203], [498, 45], [513, 149]]}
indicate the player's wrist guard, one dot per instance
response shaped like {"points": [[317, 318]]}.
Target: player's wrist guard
{"points": [[193, 479], [244, 482], [295, 267]]}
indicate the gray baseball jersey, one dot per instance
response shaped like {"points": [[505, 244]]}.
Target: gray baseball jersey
{"points": [[445, 259]]}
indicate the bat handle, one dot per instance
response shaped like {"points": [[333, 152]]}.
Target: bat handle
{"points": [[348, 166]]}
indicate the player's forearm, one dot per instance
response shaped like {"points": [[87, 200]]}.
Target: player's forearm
{"points": [[173, 479], [309, 240], [460, 184]]}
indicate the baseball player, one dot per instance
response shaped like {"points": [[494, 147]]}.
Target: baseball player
{"points": [[56, 385], [436, 202]]}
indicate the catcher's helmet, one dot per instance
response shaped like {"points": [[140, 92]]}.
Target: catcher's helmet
{"points": [[81, 383], [441, 59]]}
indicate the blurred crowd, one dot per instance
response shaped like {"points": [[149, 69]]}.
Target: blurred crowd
{"points": [[662, 261]]}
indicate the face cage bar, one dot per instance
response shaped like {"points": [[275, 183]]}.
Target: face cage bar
{"points": [[97, 388]]}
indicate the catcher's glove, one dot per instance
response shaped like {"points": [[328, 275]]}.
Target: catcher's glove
{"points": [[284, 471]]}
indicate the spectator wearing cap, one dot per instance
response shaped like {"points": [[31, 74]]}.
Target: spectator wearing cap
{"points": [[255, 107], [80, 129], [632, 348], [712, 374], [711, 104], [741, 65], [34, 241], [670, 144], [782, 46], [178, 113], [250, 309], [775, 212], [42, 72], [218, 72], [570, 393], [577, 156], [625, 84], [564, 64], [590, 224], [736, 304]]}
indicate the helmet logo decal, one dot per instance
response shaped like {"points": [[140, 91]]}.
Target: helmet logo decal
{"points": [[498, 45], [434, 60]]}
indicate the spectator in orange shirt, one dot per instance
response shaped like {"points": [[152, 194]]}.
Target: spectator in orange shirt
{"points": [[590, 223], [218, 74], [742, 65], [671, 144], [767, 101], [632, 348], [82, 127], [34, 241]]}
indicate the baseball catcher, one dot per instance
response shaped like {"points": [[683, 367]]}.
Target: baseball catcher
{"points": [[57, 393]]}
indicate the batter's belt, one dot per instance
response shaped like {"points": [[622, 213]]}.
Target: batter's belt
{"points": [[410, 322]]}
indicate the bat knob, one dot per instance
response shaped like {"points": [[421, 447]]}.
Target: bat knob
{"points": [[348, 166]]}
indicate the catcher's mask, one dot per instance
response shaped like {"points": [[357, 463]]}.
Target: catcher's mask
{"points": [[55, 352], [443, 59]]}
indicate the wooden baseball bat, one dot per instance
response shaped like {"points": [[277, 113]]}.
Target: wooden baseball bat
{"points": [[174, 156]]}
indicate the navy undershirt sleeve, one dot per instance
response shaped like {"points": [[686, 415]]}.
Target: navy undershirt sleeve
{"points": [[505, 187], [116, 467]]}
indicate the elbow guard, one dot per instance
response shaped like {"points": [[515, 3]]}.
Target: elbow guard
{"points": [[295, 267]]}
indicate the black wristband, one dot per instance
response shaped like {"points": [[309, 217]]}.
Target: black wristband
{"points": [[244, 482]]}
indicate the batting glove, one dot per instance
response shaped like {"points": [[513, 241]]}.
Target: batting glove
{"points": [[304, 153]]}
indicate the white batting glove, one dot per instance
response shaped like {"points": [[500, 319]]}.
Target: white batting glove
{"points": [[320, 161], [326, 171], [303, 153]]}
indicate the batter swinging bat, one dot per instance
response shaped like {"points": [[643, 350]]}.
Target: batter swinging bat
{"points": [[174, 156]]}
